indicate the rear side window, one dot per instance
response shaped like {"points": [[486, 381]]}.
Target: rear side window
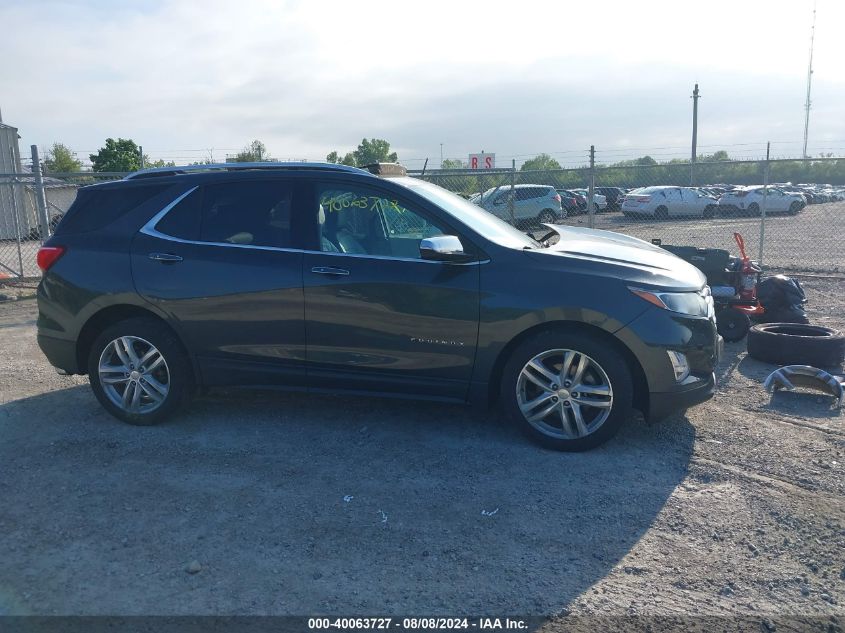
{"points": [[96, 207], [256, 213], [183, 220]]}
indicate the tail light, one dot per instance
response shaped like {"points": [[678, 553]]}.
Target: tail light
{"points": [[49, 255], [556, 197], [639, 198]]}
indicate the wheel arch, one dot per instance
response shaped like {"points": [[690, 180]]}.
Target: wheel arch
{"points": [[110, 315], [640, 384]]}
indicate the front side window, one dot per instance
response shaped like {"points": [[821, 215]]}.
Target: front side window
{"points": [[362, 221]]}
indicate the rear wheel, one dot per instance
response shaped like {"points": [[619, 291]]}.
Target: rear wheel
{"points": [[139, 371], [661, 213], [709, 212], [566, 391], [547, 216], [754, 209]]}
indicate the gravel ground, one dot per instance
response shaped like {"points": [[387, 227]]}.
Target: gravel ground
{"points": [[265, 503], [809, 241]]}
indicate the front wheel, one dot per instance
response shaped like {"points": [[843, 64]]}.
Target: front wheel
{"points": [[139, 371], [661, 213], [566, 391], [709, 212], [795, 208]]}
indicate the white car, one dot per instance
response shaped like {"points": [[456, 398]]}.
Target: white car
{"points": [[598, 199], [531, 203], [663, 203], [749, 201]]}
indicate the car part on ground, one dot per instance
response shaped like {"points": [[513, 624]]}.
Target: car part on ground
{"points": [[796, 344], [792, 376]]}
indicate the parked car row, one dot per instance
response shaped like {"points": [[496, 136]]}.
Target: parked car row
{"points": [[528, 203]]}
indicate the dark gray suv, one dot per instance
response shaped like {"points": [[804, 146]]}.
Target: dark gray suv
{"points": [[330, 278]]}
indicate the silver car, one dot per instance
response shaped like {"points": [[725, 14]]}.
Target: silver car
{"points": [[531, 203]]}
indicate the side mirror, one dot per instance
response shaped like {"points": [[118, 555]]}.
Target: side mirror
{"points": [[443, 248]]}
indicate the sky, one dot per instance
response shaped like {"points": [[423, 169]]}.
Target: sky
{"points": [[188, 80]]}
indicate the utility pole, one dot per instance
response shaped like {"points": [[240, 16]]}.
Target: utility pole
{"points": [[591, 188], [441, 155], [809, 83], [695, 97], [140, 157]]}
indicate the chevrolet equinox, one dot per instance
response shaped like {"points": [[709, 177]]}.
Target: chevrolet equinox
{"points": [[329, 278]]}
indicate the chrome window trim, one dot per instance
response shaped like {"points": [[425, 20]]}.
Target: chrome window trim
{"points": [[149, 229]]}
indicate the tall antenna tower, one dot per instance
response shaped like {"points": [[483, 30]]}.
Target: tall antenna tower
{"points": [[809, 82]]}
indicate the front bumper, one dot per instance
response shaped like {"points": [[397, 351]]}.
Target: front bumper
{"points": [[650, 337]]}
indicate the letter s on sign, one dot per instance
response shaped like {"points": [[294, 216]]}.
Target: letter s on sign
{"points": [[488, 162]]}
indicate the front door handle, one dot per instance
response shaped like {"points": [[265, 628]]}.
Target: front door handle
{"points": [[165, 258], [329, 270]]}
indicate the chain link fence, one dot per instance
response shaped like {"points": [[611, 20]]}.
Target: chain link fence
{"points": [[30, 208], [791, 213]]}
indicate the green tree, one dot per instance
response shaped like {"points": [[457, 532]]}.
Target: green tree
{"points": [[543, 161], [117, 155], [60, 158], [451, 163], [255, 152], [374, 150], [148, 164]]}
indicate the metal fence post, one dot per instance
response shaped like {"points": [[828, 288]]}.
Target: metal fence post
{"points": [[40, 197], [765, 204], [513, 187], [17, 226], [592, 188]]}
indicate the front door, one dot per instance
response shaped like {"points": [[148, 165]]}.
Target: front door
{"points": [[378, 317]]}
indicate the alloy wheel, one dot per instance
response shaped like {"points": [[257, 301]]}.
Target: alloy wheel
{"points": [[564, 394], [134, 374]]}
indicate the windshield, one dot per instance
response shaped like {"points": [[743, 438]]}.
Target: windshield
{"points": [[473, 216]]}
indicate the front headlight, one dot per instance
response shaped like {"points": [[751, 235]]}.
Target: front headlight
{"points": [[698, 304]]}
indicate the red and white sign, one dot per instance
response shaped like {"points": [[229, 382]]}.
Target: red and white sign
{"points": [[482, 161]]}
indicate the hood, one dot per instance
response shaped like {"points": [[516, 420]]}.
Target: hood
{"points": [[623, 257]]}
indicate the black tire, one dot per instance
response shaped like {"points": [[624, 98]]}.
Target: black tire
{"points": [[754, 209], [603, 353], [548, 216], [733, 325], [795, 208], [709, 212], [661, 213], [176, 362], [796, 344]]}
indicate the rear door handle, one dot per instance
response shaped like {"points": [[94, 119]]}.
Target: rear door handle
{"points": [[165, 258], [329, 270]]}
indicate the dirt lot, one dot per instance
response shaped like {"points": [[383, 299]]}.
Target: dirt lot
{"points": [[296, 504]]}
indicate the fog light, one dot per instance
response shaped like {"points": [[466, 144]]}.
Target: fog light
{"points": [[679, 365]]}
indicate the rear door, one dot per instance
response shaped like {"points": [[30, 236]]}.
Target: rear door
{"points": [[378, 317], [221, 261]]}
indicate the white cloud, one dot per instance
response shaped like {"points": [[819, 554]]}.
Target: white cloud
{"points": [[516, 78]]}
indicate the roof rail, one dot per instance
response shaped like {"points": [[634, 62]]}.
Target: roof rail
{"points": [[185, 169]]}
